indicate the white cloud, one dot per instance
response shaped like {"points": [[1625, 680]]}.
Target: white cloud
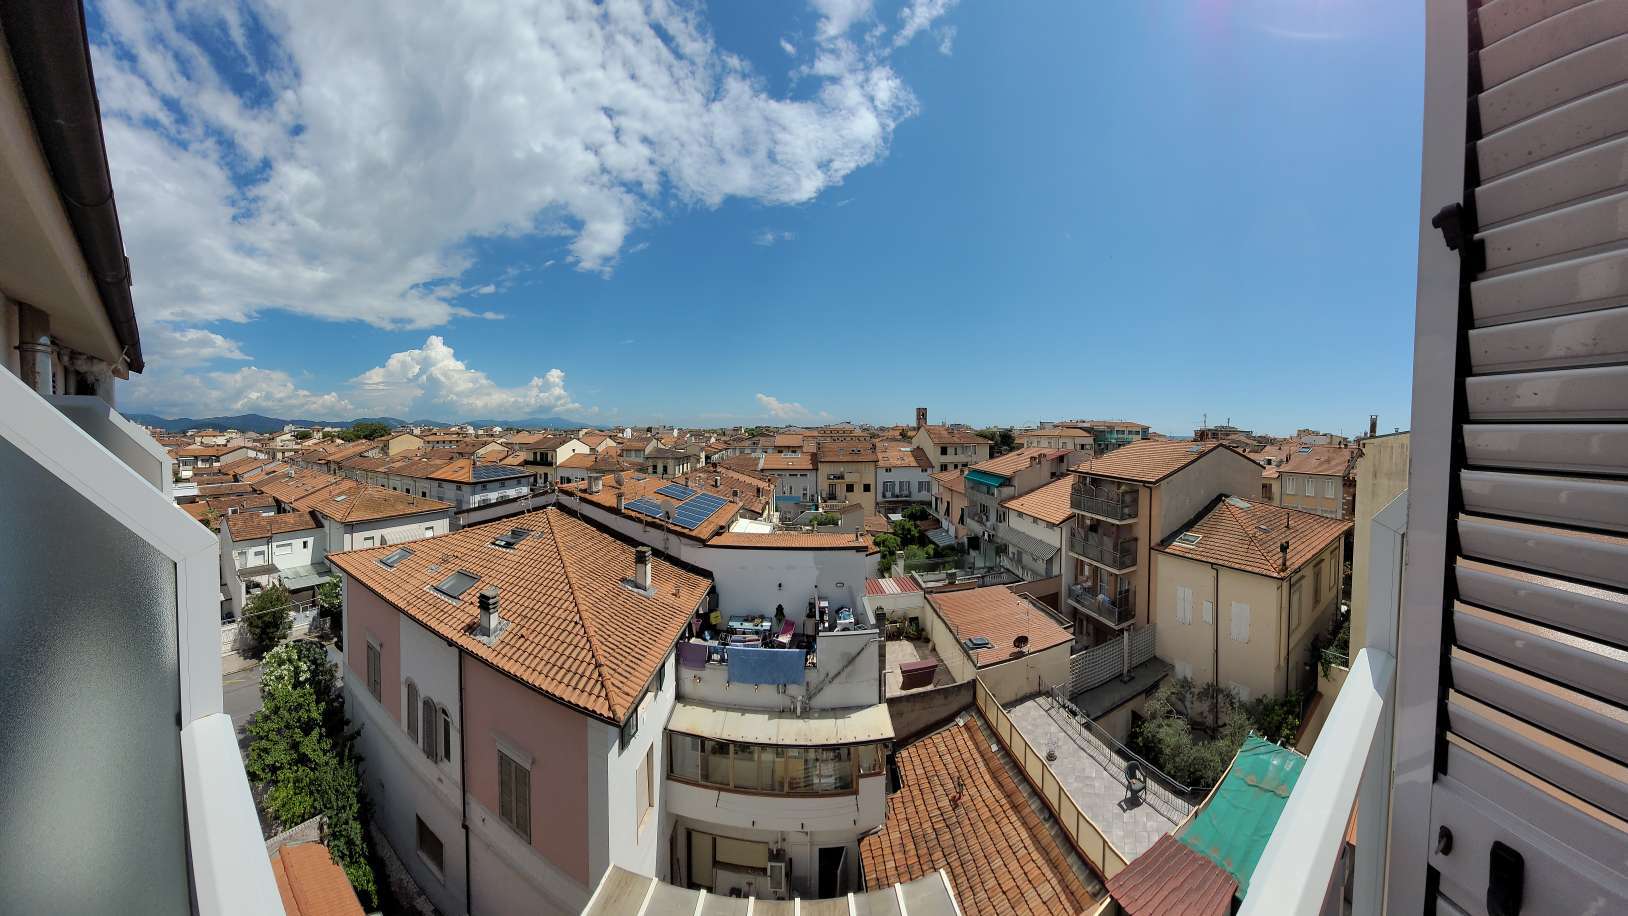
{"points": [[917, 16], [432, 376], [250, 389], [946, 39], [788, 47], [783, 410], [768, 237], [166, 345], [376, 141]]}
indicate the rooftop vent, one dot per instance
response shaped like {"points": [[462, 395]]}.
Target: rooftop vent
{"points": [[394, 557], [490, 618], [641, 568], [974, 643]]}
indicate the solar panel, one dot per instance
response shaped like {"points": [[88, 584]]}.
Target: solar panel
{"points": [[676, 491], [697, 509], [489, 471], [647, 506]]}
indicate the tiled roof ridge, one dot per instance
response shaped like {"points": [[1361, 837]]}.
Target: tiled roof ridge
{"points": [[1247, 526], [592, 638]]}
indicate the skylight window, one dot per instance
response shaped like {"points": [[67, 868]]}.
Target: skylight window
{"points": [[1189, 539], [512, 539], [395, 556], [455, 585]]}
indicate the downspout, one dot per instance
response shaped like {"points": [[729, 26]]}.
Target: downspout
{"points": [[463, 781], [1215, 626]]}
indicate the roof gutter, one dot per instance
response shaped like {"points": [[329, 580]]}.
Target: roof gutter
{"points": [[49, 46]]}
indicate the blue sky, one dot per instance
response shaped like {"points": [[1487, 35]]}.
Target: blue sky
{"points": [[1005, 212]]}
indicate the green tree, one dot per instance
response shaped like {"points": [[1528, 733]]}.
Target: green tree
{"points": [[269, 618], [1001, 441], [300, 435], [826, 518], [887, 548], [296, 665], [908, 532], [1191, 732], [330, 601], [918, 513], [367, 429]]}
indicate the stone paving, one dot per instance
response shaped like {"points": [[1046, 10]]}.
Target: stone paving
{"points": [[1098, 792], [902, 651]]}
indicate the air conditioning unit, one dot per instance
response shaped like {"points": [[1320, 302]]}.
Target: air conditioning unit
{"points": [[779, 874]]}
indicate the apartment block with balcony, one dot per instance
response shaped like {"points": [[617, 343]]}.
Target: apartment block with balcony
{"points": [[990, 483], [122, 789], [1126, 502], [846, 473], [1031, 532]]}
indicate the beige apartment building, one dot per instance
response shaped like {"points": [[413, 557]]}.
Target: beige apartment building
{"points": [[1124, 503], [949, 448], [847, 474], [1382, 475], [1060, 437], [1242, 591], [1320, 479]]}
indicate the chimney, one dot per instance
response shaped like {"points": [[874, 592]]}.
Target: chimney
{"points": [[596, 482], [921, 417], [1373, 425], [641, 568], [490, 620], [1283, 557], [717, 480], [621, 501]]}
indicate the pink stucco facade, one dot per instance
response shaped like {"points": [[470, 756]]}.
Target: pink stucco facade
{"points": [[368, 616], [556, 737]]}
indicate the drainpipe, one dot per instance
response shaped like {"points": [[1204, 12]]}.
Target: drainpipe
{"points": [[1215, 625], [34, 332]]}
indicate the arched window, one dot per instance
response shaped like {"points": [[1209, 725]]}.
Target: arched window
{"points": [[412, 705], [429, 731]]}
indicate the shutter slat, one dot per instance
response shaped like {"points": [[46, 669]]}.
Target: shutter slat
{"points": [[1563, 341], [1577, 74], [1502, 18], [1571, 126], [1589, 722], [1584, 502], [1568, 766], [1572, 177], [1585, 555], [1590, 610], [1575, 285], [1596, 393], [1582, 225], [1582, 448], [1585, 664], [1552, 38]]}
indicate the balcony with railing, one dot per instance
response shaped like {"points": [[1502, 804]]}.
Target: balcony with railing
{"points": [[1116, 556], [1105, 503], [1118, 610]]}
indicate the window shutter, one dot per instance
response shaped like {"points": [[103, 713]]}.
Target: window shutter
{"points": [[1519, 522], [427, 735], [1184, 604], [1240, 621], [1209, 611], [412, 704]]}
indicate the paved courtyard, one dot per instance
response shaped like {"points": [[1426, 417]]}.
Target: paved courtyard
{"points": [[1098, 792], [903, 651]]}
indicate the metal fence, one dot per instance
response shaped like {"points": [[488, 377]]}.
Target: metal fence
{"points": [[1087, 838], [1173, 799]]}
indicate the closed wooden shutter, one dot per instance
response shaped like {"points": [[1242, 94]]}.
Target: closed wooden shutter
{"points": [[1532, 748]]}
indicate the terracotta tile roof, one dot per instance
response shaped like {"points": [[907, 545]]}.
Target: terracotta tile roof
{"points": [[1066, 431], [303, 482], [353, 501], [574, 630], [1001, 616], [1048, 503], [788, 440], [1147, 461], [1245, 534], [583, 461], [1333, 460], [778, 462], [224, 489], [244, 501], [237, 467], [793, 540], [952, 435], [207, 451], [349, 450], [1018, 459], [311, 883], [200, 511], [1169, 879], [961, 809], [898, 585], [849, 450], [901, 455], [754, 493], [952, 481], [248, 526], [592, 440]]}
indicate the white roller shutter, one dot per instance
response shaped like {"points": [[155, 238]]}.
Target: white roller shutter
{"points": [[1531, 762]]}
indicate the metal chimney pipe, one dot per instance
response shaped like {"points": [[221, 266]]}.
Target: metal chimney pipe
{"points": [[641, 567]]}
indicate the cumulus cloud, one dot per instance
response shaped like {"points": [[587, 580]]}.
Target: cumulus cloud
{"points": [[783, 410], [183, 347], [917, 16], [433, 376], [340, 159], [768, 237]]}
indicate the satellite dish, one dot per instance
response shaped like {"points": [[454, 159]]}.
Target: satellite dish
{"points": [[1021, 643]]}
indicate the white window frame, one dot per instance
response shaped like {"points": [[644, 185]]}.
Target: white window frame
{"points": [[1328, 487], [1291, 484]]}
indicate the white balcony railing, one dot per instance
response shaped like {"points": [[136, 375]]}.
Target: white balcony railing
{"points": [[1302, 869]]}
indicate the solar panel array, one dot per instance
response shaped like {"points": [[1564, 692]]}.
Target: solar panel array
{"points": [[676, 491], [648, 506], [697, 509], [489, 471]]}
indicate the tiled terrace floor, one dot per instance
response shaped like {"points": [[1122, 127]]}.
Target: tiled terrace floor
{"points": [[1098, 792], [902, 651]]}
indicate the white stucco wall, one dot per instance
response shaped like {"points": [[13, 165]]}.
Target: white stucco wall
{"points": [[616, 834]]}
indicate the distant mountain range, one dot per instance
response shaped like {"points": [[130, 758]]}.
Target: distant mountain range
{"points": [[260, 423]]}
